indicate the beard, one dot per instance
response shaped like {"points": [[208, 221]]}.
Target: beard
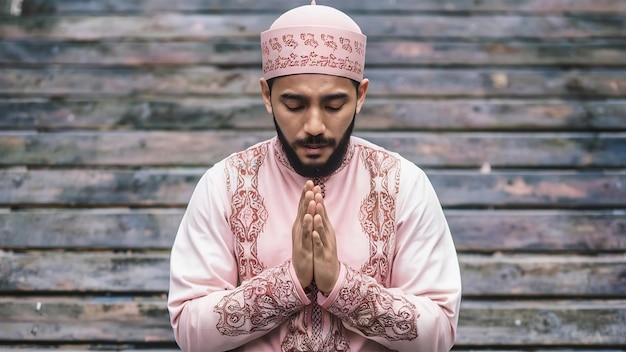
{"points": [[322, 170]]}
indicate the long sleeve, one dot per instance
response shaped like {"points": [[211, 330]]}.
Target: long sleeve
{"points": [[208, 309], [418, 310]]}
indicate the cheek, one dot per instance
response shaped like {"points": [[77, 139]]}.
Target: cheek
{"points": [[340, 123], [288, 126]]}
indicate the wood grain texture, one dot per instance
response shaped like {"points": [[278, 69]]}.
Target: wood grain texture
{"points": [[378, 114], [472, 150], [58, 7], [436, 82], [507, 323], [380, 53], [585, 232], [493, 275], [205, 27], [88, 188]]}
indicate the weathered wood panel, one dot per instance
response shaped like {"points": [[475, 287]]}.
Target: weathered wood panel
{"points": [[511, 275], [202, 148], [85, 347], [389, 53], [173, 26], [40, 7], [118, 347], [456, 188], [168, 113], [57, 7], [125, 348], [528, 189], [167, 347], [119, 320], [473, 231], [88, 206], [90, 229], [437, 82], [543, 323], [508, 323], [89, 188], [534, 231]]}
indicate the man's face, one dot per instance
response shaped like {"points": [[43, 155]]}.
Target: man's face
{"points": [[314, 115]]}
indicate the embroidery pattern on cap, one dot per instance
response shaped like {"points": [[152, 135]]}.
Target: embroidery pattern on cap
{"points": [[336, 53]]}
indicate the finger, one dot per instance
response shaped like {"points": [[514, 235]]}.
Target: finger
{"points": [[312, 207], [321, 211], [308, 187], [317, 245], [307, 230], [319, 229], [303, 207]]}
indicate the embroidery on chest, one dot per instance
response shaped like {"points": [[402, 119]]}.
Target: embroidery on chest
{"points": [[248, 210], [377, 212]]}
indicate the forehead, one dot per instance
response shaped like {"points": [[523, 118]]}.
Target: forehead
{"points": [[313, 84]]}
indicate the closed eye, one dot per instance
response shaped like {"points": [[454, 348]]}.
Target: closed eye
{"points": [[334, 108], [294, 108]]}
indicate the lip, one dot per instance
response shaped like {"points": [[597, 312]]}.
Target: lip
{"points": [[313, 149]]}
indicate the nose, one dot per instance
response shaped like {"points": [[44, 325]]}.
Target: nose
{"points": [[314, 124]]}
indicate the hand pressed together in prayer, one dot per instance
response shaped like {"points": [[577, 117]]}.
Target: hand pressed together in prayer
{"points": [[314, 250]]}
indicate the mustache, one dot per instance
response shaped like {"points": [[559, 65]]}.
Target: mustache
{"points": [[316, 140]]}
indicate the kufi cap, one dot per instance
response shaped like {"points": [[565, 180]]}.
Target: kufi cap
{"points": [[313, 39]]}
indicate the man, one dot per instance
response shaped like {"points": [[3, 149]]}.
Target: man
{"points": [[314, 240]]}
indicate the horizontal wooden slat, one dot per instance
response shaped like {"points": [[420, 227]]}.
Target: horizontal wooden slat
{"points": [[542, 83], [543, 275], [514, 231], [377, 114], [125, 148], [228, 53], [523, 275], [118, 347], [542, 323], [77, 320], [209, 27], [473, 231], [23, 347], [510, 323], [41, 7], [92, 229], [159, 187], [149, 6], [202, 148]]}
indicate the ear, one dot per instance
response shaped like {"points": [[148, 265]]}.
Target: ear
{"points": [[361, 93], [265, 91]]}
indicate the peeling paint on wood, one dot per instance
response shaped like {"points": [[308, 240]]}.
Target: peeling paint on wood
{"points": [[450, 83], [512, 275], [378, 114], [585, 232], [456, 188], [207, 148], [172, 26], [60, 7], [382, 53]]}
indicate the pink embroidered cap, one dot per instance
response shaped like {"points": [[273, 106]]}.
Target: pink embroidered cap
{"points": [[313, 39]]}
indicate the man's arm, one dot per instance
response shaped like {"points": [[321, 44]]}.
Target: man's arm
{"points": [[208, 309], [419, 309]]}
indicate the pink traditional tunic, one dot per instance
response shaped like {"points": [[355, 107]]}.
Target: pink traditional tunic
{"points": [[233, 285]]}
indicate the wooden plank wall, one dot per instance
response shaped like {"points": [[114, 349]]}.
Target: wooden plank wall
{"points": [[110, 110]]}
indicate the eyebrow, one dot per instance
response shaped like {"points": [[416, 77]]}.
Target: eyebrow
{"points": [[327, 97]]}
